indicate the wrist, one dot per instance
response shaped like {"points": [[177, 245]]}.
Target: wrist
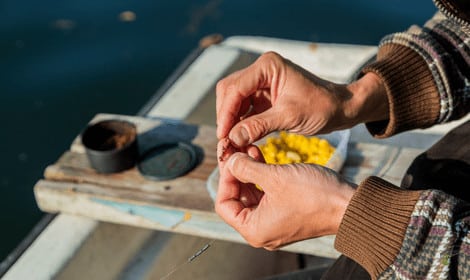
{"points": [[342, 202], [369, 101]]}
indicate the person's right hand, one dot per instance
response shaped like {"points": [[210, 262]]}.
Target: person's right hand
{"points": [[275, 94], [298, 201]]}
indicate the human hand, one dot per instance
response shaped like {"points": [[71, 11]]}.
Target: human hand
{"points": [[299, 201], [275, 94]]}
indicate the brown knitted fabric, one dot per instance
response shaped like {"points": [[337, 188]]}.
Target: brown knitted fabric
{"points": [[458, 8], [373, 228], [412, 93]]}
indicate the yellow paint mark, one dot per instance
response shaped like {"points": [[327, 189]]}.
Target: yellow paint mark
{"points": [[187, 216]]}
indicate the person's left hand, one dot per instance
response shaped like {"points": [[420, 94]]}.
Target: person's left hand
{"points": [[298, 201]]}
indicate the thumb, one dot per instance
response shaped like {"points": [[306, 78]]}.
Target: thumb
{"points": [[247, 169], [255, 127]]}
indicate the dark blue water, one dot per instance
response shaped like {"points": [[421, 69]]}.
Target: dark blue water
{"points": [[61, 62]]}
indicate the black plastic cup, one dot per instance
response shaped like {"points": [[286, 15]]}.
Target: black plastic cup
{"points": [[111, 145]]}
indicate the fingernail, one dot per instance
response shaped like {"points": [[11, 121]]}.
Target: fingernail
{"points": [[231, 160], [241, 138]]}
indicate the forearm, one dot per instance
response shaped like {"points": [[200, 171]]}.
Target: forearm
{"points": [[392, 97], [412, 96], [394, 232], [368, 101], [425, 74]]}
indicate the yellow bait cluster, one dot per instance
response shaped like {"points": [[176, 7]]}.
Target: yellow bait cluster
{"points": [[294, 148]]}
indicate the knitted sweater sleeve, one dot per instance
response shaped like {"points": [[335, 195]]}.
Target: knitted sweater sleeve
{"points": [[426, 75], [401, 234]]}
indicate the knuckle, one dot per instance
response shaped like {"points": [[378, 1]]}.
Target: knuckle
{"points": [[255, 241], [220, 86], [276, 245], [258, 238], [239, 167], [217, 208], [269, 248], [256, 128], [271, 58], [271, 55]]}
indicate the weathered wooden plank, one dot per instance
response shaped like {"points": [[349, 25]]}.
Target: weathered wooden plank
{"points": [[64, 197], [191, 196], [187, 191]]}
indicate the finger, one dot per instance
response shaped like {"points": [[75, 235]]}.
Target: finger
{"points": [[245, 109], [228, 204], [224, 150], [233, 212], [255, 153], [222, 88], [233, 90], [247, 170], [250, 196], [255, 127], [227, 117], [228, 184], [229, 187], [231, 205]]}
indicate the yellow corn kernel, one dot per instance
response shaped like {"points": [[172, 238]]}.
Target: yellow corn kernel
{"points": [[294, 148]]}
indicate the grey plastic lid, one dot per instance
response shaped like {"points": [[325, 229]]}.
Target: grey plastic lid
{"points": [[167, 161]]}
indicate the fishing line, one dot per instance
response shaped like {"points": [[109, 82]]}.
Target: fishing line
{"points": [[190, 259]]}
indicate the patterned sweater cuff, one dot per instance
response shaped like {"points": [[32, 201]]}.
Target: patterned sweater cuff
{"points": [[374, 225], [412, 93]]}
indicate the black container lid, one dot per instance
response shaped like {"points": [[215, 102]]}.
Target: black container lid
{"points": [[167, 161]]}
